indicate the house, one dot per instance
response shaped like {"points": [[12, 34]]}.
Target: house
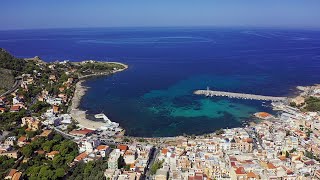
{"points": [[123, 147], [13, 175], [47, 134], [55, 109], [61, 89], [317, 174], [252, 176], [80, 157], [31, 123], [88, 145], [15, 108], [161, 174], [238, 173], [52, 154], [263, 115], [92, 157], [113, 159], [3, 99], [129, 157], [11, 154], [10, 141], [102, 150], [52, 77], [22, 141], [82, 132], [10, 174], [2, 110]]}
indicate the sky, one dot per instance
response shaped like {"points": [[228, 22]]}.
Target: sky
{"points": [[35, 14]]}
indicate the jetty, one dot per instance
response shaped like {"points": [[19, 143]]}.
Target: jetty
{"points": [[210, 93]]}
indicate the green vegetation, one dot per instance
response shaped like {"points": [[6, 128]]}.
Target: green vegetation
{"points": [[7, 61], [6, 164], [40, 167], [293, 150], [9, 120], [39, 107], [287, 154], [7, 80], [312, 104], [311, 156], [156, 165], [98, 67], [121, 162], [92, 170]]}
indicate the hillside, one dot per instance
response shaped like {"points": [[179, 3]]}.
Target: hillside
{"points": [[9, 68], [7, 80], [7, 61]]}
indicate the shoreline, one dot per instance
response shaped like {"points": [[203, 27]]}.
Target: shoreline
{"points": [[78, 115]]}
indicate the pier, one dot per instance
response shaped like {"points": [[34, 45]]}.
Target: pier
{"points": [[210, 93]]}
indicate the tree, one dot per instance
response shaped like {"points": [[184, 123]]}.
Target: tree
{"points": [[45, 173], [27, 150], [293, 150], [47, 146], [58, 161], [157, 165], [121, 162], [57, 137], [287, 154], [59, 173]]}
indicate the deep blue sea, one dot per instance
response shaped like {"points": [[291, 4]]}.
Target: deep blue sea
{"points": [[154, 96]]}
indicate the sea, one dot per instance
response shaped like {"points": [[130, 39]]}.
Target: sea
{"points": [[154, 97]]}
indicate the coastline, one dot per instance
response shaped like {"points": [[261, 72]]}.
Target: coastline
{"points": [[76, 113]]}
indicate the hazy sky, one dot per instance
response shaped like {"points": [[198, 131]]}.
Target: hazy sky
{"points": [[25, 14]]}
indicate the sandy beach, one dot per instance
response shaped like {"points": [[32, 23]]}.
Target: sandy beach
{"points": [[80, 115]]}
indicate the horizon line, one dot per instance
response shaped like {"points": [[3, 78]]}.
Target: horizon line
{"points": [[187, 26]]}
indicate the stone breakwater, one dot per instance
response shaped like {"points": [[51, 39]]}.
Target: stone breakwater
{"points": [[238, 95]]}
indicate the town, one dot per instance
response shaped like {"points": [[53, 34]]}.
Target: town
{"points": [[42, 139]]}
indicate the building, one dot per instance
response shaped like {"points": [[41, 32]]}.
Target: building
{"points": [[32, 124], [10, 141], [52, 154], [48, 134], [82, 133], [113, 159], [22, 141], [81, 157], [13, 175], [161, 174], [11, 154], [102, 150]]}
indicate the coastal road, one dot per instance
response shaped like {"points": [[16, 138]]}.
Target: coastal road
{"points": [[152, 159], [15, 86]]}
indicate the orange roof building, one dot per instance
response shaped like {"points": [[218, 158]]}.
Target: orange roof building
{"points": [[82, 132], [102, 147], [123, 147], [271, 166], [81, 157], [164, 151], [263, 115]]}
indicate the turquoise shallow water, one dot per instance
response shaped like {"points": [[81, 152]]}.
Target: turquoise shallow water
{"points": [[154, 97], [170, 100], [173, 110]]}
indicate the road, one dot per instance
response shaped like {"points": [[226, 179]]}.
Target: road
{"points": [[16, 85], [153, 157]]}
